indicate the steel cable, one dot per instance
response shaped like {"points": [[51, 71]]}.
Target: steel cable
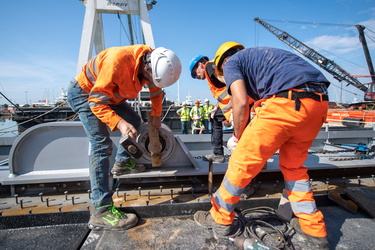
{"points": [[263, 224]]}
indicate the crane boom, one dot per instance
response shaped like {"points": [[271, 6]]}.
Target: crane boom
{"points": [[330, 66]]}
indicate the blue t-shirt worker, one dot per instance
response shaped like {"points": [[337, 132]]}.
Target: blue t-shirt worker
{"points": [[291, 105]]}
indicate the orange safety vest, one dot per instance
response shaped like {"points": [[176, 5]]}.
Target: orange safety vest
{"points": [[219, 93], [111, 77]]}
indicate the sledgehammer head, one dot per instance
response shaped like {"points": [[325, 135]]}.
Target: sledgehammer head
{"points": [[131, 146]]}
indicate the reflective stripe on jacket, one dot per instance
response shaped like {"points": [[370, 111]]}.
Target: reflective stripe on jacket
{"points": [[111, 77], [184, 114], [196, 113], [276, 126], [220, 94], [197, 126], [207, 110]]}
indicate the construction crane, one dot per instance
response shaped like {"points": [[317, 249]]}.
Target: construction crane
{"points": [[330, 66]]}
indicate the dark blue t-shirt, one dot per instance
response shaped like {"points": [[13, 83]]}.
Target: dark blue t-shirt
{"points": [[268, 71]]}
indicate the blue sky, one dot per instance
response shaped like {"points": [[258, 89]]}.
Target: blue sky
{"points": [[39, 42]]}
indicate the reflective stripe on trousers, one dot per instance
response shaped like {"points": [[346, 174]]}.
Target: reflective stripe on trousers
{"points": [[276, 126]]}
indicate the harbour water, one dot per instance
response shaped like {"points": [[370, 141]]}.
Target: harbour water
{"points": [[8, 127]]}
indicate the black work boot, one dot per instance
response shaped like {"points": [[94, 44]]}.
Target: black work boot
{"points": [[319, 242], [205, 220], [215, 158]]}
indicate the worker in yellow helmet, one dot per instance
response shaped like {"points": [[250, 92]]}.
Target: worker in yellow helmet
{"points": [[291, 106], [98, 94]]}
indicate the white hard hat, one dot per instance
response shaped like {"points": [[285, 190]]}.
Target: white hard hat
{"points": [[206, 100], [165, 66]]}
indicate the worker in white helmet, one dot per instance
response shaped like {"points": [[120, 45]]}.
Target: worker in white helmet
{"points": [[98, 94], [184, 114]]}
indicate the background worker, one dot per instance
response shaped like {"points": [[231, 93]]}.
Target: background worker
{"points": [[184, 114], [201, 68], [98, 94], [196, 112], [197, 127], [291, 107], [207, 108]]}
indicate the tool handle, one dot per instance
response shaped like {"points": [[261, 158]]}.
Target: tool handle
{"points": [[131, 134]]}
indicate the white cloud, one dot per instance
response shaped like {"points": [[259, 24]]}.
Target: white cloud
{"points": [[335, 44], [34, 74], [369, 23], [344, 43]]}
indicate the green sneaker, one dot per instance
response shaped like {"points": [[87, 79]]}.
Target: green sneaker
{"points": [[110, 217], [128, 167], [320, 242], [205, 220]]}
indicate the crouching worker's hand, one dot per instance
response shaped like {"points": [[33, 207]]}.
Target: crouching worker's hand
{"points": [[212, 113], [232, 143]]}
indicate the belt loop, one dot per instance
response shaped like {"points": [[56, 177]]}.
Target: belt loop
{"points": [[290, 94], [297, 104], [257, 104], [321, 96]]}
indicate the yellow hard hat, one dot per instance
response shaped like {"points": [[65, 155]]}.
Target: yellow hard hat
{"points": [[221, 51]]}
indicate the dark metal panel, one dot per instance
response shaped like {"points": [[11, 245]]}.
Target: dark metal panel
{"points": [[364, 197]]}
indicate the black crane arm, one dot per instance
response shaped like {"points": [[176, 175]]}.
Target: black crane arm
{"points": [[330, 66]]}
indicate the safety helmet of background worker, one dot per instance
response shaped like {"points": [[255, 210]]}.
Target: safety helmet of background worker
{"points": [[165, 67], [206, 100], [194, 63], [197, 102], [221, 54]]}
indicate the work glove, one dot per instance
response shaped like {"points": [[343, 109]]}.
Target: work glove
{"points": [[231, 119], [212, 113], [232, 143]]}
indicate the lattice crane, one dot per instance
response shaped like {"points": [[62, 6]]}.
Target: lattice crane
{"points": [[330, 66]]}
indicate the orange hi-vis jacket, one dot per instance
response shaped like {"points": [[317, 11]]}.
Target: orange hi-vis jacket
{"points": [[111, 77], [219, 90]]}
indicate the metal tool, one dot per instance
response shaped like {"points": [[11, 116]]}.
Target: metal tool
{"points": [[244, 243], [131, 146], [361, 150]]}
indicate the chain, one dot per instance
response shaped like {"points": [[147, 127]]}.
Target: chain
{"points": [[344, 159]]}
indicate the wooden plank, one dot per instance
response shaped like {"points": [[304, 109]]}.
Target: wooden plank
{"points": [[154, 146], [364, 197]]}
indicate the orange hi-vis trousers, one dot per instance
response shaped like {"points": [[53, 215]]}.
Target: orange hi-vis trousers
{"points": [[276, 126]]}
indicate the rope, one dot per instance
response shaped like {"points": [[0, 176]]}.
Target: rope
{"points": [[4, 162], [345, 159], [166, 113], [33, 119], [122, 26]]}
